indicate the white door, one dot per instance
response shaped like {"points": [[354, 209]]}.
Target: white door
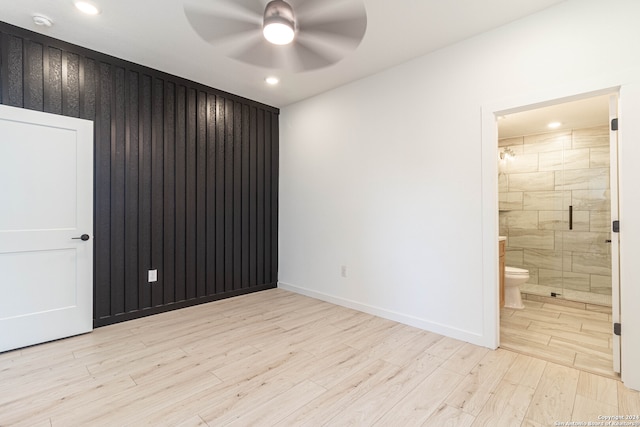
{"points": [[46, 204], [615, 243]]}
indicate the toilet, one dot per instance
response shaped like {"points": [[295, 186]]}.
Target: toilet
{"points": [[513, 278]]}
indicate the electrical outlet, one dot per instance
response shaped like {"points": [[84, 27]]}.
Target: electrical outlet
{"points": [[153, 276], [343, 270]]}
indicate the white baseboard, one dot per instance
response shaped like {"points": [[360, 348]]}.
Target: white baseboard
{"points": [[406, 319]]}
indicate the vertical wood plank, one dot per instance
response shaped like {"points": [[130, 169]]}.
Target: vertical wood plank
{"points": [[70, 85], [33, 79], [244, 213], [102, 195], [201, 195], [219, 183], [275, 173], [267, 198], [157, 195], [253, 198], [237, 196], [131, 192], [228, 196], [144, 197], [169, 196], [180, 194], [89, 83], [191, 164], [211, 195], [260, 199], [53, 79], [117, 171], [13, 95]]}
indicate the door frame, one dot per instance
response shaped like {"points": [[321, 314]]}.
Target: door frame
{"points": [[490, 114]]}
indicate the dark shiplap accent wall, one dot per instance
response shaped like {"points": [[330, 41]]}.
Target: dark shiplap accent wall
{"points": [[186, 176]]}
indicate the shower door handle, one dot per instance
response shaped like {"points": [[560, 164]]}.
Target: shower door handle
{"points": [[570, 217]]}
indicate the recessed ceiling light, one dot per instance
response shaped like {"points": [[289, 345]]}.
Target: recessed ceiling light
{"points": [[86, 7], [42, 21], [554, 125], [272, 80]]}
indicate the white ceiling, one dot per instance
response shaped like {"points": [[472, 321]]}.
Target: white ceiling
{"points": [[156, 33], [584, 113]]}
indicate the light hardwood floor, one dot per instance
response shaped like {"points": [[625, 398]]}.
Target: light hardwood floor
{"points": [[276, 358]]}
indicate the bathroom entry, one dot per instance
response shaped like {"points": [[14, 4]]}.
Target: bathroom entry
{"points": [[557, 197]]}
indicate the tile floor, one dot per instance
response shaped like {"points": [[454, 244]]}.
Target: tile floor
{"points": [[570, 336]]}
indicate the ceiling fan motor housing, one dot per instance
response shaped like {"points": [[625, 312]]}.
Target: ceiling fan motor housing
{"points": [[279, 12]]}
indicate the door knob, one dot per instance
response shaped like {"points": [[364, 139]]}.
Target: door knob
{"points": [[84, 237]]}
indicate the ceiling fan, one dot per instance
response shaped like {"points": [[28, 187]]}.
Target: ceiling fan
{"points": [[295, 35]]}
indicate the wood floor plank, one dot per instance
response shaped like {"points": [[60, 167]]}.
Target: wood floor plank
{"points": [[423, 401], [506, 407], [476, 388], [376, 402], [448, 416], [286, 403], [338, 398], [555, 395], [588, 410], [628, 400], [465, 359]]}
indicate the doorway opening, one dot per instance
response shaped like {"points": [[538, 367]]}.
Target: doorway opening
{"points": [[557, 195]]}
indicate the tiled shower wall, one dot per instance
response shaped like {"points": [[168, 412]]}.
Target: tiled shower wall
{"points": [[548, 173]]}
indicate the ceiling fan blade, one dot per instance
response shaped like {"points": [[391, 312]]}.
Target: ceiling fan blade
{"points": [[312, 11], [349, 31], [242, 9], [295, 57], [307, 55], [262, 53], [221, 24]]}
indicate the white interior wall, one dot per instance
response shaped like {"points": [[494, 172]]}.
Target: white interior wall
{"points": [[393, 175]]}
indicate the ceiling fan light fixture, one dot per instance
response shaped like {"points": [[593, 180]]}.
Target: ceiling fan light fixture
{"points": [[279, 23]]}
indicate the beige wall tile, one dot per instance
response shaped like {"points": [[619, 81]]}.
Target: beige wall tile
{"points": [[585, 241], [510, 200], [591, 137], [546, 200], [593, 200], [583, 262], [532, 181], [503, 183], [564, 160], [541, 258], [505, 142], [582, 179], [552, 220], [599, 157], [600, 221], [513, 257], [576, 281], [601, 284], [546, 142], [559, 220], [521, 219], [531, 239], [522, 163], [550, 277], [502, 224]]}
